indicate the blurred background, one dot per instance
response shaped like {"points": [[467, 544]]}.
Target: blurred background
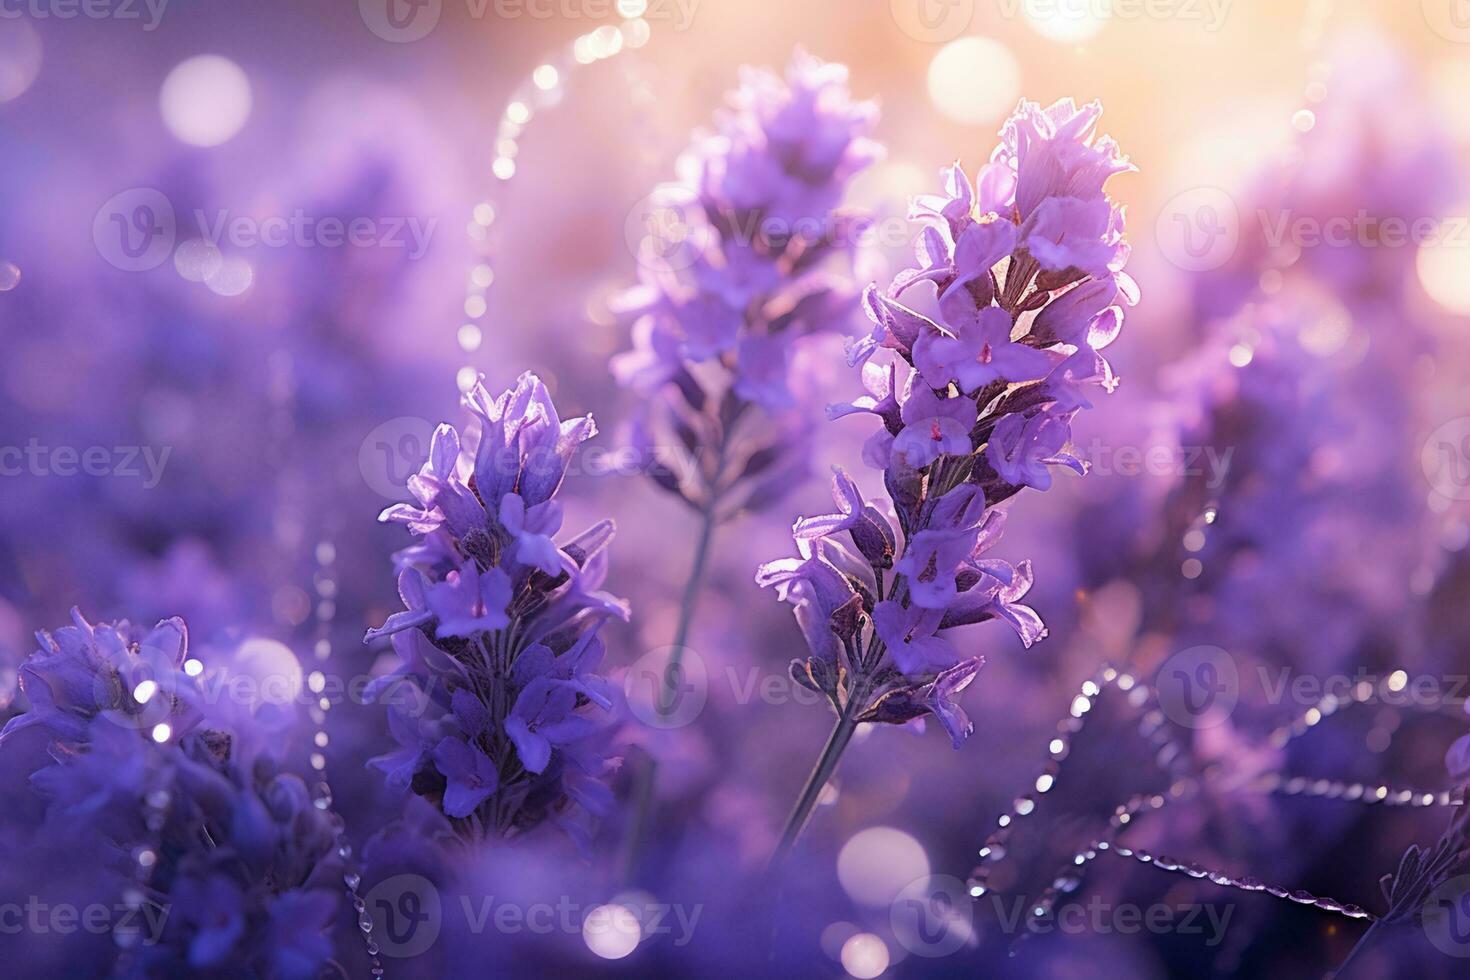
{"points": [[250, 254]]}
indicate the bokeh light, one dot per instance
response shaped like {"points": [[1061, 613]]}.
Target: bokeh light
{"points": [[611, 931], [974, 80], [272, 667], [197, 260], [864, 956], [1066, 21], [205, 100], [1444, 270], [876, 864], [20, 57], [232, 276]]}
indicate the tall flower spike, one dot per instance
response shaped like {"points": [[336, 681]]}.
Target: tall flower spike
{"points": [[1026, 271], [747, 258], [500, 717], [213, 833]]}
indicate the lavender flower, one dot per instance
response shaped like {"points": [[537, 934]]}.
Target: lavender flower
{"points": [[756, 270], [184, 817], [1026, 275], [499, 715], [755, 264], [109, 670]]}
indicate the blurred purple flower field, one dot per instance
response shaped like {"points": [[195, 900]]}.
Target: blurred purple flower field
{"points": [[883, 488]]}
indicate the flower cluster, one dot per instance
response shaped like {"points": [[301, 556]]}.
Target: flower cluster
{"points": [[112, 671], [186, 818], [1025, 272], [496, 706], [740, 262]]}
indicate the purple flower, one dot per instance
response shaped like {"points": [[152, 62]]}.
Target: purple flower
{"points": [[1024, 448], [414, 594], [933, 427], [470, 601], [470, 773], [895, 327], [976, 252], [910, 635], [850, 505], [231, 838], [936, 698], [655, 358], [981, 353], [749, 258], [829, 588], [1086, 315], [763, 370], [532, 531], [494, 700], [996, 594], [871, 533], [1066, 234], [1026, 269], [881, 400], [134, 678], [544, 718], [1054, 154], [934, 555]]}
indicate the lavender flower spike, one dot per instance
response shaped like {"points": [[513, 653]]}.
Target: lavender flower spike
{"points": [[1026, 267], [508, 726], [184, 816], [748, 260]]}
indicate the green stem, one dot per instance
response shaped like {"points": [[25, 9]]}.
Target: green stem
{"points": [[1361, 945], [826, 765], [686, 606], [648, 775]]}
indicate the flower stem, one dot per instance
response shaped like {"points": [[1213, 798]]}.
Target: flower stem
{"points": [[687, 604], [648, 775], [826, 765], [1362, 944]]}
